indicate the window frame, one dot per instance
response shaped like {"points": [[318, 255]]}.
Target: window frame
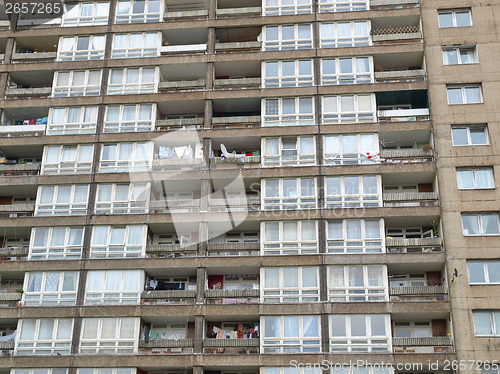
{"points": [[293, 119], [281, 159], [349, 158], [136, 52], [92, 20], [297, 203], [75, 54], [453, 13], [145, 17], [469, 138], [363, 245], [287, 44], [125, 206], [118, 296], [45, 298], [296, 80], [463, 88], [339, 78], [71, 89], [284, 10], [114, 345], [283, 294], [353, 293], [125, 250], [67, 167], [458, 51], [494, 328], [66, 128], [333, 6], [52, 252], [133, 163], [480, 223], [31, 346], [73, 208], [287, 247], [351, 200], [121, 125], [339, 116], [282, 344], [474, 179], [140, 87], [346, 41], [486, 272]]}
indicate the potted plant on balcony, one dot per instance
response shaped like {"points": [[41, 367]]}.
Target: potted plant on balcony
{"points": [[435, 228]]}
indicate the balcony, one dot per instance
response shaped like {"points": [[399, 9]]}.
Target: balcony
{"points": [[393, 4], [391, 156], [37, 92], [7, 345], [247, 162], [234, 204], [238, 12], [177, 206], [417, 245], [233, 249], [404, 199], [171, 250], [179, 123], [13, 252], [435, 344], [392, 35], [403, 115], [182, 85], [184, 49], [241, 296], [166, 346], [236, 122], [394, 76], [17, 210], [22, 130], [418, 293], [34, 57], [19, 169], [177, 163], [238, 46], [153, 297], [186, 14], [9, 299], [231, 346], [237, 83]]}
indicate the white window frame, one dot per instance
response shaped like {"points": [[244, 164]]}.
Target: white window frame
{"points": [[283, 294], [281, 80], [408, 280], [355, 77], [136, 161], [71, 89], [352, 293], [118, 294], [283, 344], [145, 17], [345, 41], [39, 371], [414, 327], [474, 178], [298, 7], [333, 6], [287, 247], [140, 87], [103, 371], [479, 218], [43, 297], [486, 271], [122, 249], [135, 125], [38, 346], [125, 206], [347, 199], [67, 128], [91, 20], [275, 116], [453, 13], [113, 345], [74, 54], [80, 164], [458, 51], [356, 246], [284, 202], [288, 44], [50, 251], [339, 157], [61, 209], [495, 330], [340, 116], [358, 344], [136, 52], [286, 370], [463, 88], [384, 369], [469, 137], [285, 157]]}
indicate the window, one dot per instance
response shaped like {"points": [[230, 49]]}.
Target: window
{"points": [[62, 200], [290, 370], [297, 73], [122, 198], [85, 14], [353, 191], [56, 243], [290, 284], [470, 135], [73, 120], [114, 287], [355, 236], [123, 157], [66, 159], [455, 18], [352, 70], [77, 83], [480, 224], [39, 371], [44, 336], [109, 335], [331, 6], [288, 334], [486, 323], [288, 112], [105, 371], [464, 94], [136, 45], [459, 55], [80, 48], [139, 11], [118, 241], [484, 272], [288, 151], [475, 178], [289, 238], [287, 37], [129, 118], [50, 288], [349, 109], [359, 333], [367, 370], [133, 81], [286, 7], [296, 193], [350, 149], [357, 283], [345, 34]]}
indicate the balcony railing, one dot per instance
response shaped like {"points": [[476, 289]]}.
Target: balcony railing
{"points": [[177, 163], [238, 12], [19, 169], [435, 344], [418, 293], [231, 346], [402, 199], [238, 46], [22, 130], [39, 92], [34, 57], [7, 345], [191, 14], [167, 346], [406, 155], [235, 204], [17, 210], [233, 249], [236, 122], [237, 83], [185, 85], [400, 76], [13, 252], [168, 297], [403, 115], [244, 161], [184, 48], [416, 245], [180, 123], [171, 250], [10, 299], [177, 206], [396, 35], [247, 296], [393, 4]]}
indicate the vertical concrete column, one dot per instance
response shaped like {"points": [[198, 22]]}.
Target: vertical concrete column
{"points": [[211, 41], [7, 58], [325, 333], [209, 77], [199, 333], [206, 190], [212, 9], [197, 370], [201, 277], [75, 341], [208, 114], [323, 286], [203, 239]]}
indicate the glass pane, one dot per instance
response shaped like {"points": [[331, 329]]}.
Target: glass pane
{"points": [[478, 135], [459, 136], [338, 325], [450, 57], [64, 329], [358, 325], [463, 19], [309, 276], [475, 270], [493, 272], [482, 323], [454, 95], [290, 326], [465, 179], [46, 329], [372, 229], [470, 225], [472, 95], [378, 325], [490, 224], [28, 329], [353, 229], [445, 19], [484, 178], [290, 277], [290, 231]]}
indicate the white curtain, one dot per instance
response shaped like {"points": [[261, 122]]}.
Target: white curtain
{"points": [[307, 187], [58, 115], [120, 41], [290, 231], [349, 144], [482, 323], [148, 75], [309, 276], [98, 42], [64, 329], [333, 186], [372, 229], [132, 76], [100, 235], [63, 194], [335, 230], [145, 112], [135, 236], [353, 229], [489, 223], [336, 277], [126, 152], [46, 328], [290, 277], [81, 194], [272, 147], [102, 9], [139, 192], [272, 277], [34, 282], [52, 281], [113, 114], [351, 185], [95, 281], [272, 230], [361, 28], [332, 144], [109, 328], [375, 275], [67, 44], [105, 191], [90, 326], [131, 279], [123, 8], [344, 29], [70, 279], [310, 326], [85, 154], [291, 326], [327, 30], [117, 236], [151, 40], [52, 154], [116, 76], [94, 78], [308, 230], [41, 237], [484, 178], [62, 79], [362, 65], [75, 236], [69, 154], [367, 143], [465, 179], [127, 328], [58, 237], [355, 276], [114, 280], [129, 113], [306, 145], [28, 329]]}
